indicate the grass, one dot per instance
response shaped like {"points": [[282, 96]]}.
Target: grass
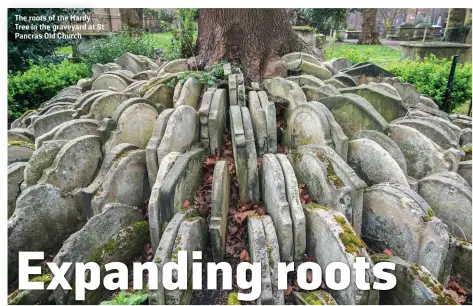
{"points": [[64, 50], [462, 109], [380, 55]]}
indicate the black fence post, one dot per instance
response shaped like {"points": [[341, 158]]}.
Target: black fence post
{"points": [[446, 104]]}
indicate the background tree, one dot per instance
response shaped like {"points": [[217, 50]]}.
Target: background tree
{"points": [[458, 25], [132, 18], [368, 35], [388, 16], [23, 52], [255, 38], [324, 19]]}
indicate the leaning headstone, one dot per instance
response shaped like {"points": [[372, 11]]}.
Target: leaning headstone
{"points": [[330, 181], [345, 79], [179, 185], [258, 119], [95, 187], [239, 150], [449, 196], [126, 182], [258, 251], [423, 156], [20, 121], [398, 219], [174, 66], [75, 164], [15, 178], [42, 220], [48, 122], [307, 64], [269, 109], [217, 119], [340, 63], [373, 164], [153, 144], [415, 285], [252, 163], [110, 82], [312, 123], [386, 143], [354, 113], [282, 88], [465, 137], [41, 159], [19, 151], [462, 262], [306, 79], [204, 110], [219, 210], [190, 93], [316, 93], [330, 238], [70, 130], [334, 82], [389, 106], [132, 122], [191, 237], [441, 136], [83, 244], [161, 94], [153, 204], [464, 169], [135, 63], [104, 106], [181, 133], [233, 89]]}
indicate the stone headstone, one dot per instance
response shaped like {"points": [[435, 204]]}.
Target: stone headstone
{"points": [[15, 178], [306, 79], [330, 238], [126, 182], [190, 93], [354, 113], [161, 94], [70, 130], [19, 151], [174, 66], [42, 220], [340, 63], [104, 106], [373, 164], [110, 82], [279, 87], [83, 244], [464, 169], [75, 164], [423, 157], [389, 106], [449, 196], [217, 119], [393, 218], [48, 122], [219, 210], [181, 133]]}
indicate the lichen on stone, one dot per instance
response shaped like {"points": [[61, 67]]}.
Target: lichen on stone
{"points": [[232, 299], [21, 143], [348, 237], [380, 257]]}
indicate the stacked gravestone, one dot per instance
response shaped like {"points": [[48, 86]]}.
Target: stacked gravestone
{"points": [[244, 151], [263, 118], [212, 113], [307, 64], [285, 89], [264, 248], [280, 196], [330, 181]]}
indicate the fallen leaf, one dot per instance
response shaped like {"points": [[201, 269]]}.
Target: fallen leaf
{"points": [[241, 216], [186, 204], [455, 286], [388, 252], [210, 161], [308, 276], [288, 290], [244, 256], [454, 295]]}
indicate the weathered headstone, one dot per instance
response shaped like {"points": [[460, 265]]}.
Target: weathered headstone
{"points": [[48, 122], [70, 130], [104, 106], [449, 195], [190, 93], [75, 164], [217, 119], [15, 178], [161, 94], [19, 151]]}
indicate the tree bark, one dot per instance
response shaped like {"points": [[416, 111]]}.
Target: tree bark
{"points": [[254, 38], [468, 38], [456, 18], [133, 18], [368, 35]]}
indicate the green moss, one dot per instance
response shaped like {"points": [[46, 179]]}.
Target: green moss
{"points": [[313, 205], [380, 257], [311, 298], [255, 216], [192, 218], [296, 155], [430, 212], [232, 299], [442, 297], [270, 258], [122, 156], [158, 260], [466, 149], [21, 143], [42, 278], [348, 237], [426, 218], [333, 178], [15, 297]]}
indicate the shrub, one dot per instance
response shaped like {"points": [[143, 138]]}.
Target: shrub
{"points": [[28, 89], [183, 40], [430, 77], [127, 298], [105, 50]]}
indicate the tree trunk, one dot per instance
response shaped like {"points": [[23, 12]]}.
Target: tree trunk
{"points": [[133, 18], [368, 34], [468, 38], [456, 18], [254, 38]]}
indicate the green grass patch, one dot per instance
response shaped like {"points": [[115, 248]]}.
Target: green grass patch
{"points": [[380, 55], [64, 50]]}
